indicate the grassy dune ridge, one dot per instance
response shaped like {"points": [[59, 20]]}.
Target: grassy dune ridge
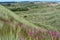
{"points": [[16, 17], [9, 27], [14, 27]]}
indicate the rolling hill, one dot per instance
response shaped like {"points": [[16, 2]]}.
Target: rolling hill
{"points": [[46, 15], [11, 24], [34, 24]]}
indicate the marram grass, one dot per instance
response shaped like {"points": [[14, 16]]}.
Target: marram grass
{"points": [[15, 28]]}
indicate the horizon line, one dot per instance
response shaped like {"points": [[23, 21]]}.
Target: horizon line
{"points": [[29, 1]]}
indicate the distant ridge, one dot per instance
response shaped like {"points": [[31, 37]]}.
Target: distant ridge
{"points": [[29, 2], [8, 2]]}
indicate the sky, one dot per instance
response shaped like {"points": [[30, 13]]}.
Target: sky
{"points": [[26, 0]]}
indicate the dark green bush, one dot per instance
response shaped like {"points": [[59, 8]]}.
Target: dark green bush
{"points": [[13, 9], [20, 9]]}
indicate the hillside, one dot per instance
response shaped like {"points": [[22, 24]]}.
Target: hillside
{"points": [[33, 24], [42, 14], [11, 24]]}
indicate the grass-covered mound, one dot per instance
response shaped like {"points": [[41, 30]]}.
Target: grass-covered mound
{"points": [[14, 27]]}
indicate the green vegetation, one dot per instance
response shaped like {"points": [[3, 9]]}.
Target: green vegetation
{"points": [[30, 21], [20, 9]]}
